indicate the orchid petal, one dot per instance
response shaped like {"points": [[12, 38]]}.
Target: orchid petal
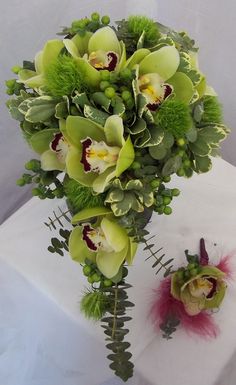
{"points": [[115, 235], [109, 263], [81, 42], [78, 248], [114, 131], [102, 180], [41, 140], [90, 212], [183, 87], [137, 57], [79, 128], [164, 61], [50, 162], [71, 48], [131, 251], [51, 51], [38, 62], [90, 75], [30, 78], [122, 60], [75, 169], [125, 158], [104, 39]]}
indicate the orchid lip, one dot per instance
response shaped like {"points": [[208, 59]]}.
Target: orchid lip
{"points": [[60, 146], [101, 60], [98, 156], [95, 238]]}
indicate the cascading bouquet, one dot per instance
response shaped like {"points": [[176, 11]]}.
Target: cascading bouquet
{"points": [[113, 112]]}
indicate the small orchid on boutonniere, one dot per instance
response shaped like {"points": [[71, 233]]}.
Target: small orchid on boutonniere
{"points": [[189, 294]]}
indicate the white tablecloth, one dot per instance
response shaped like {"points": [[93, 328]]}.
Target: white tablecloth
{"points": [[41, 322]]}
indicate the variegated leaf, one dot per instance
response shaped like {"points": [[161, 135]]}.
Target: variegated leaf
{"points": [[96, 115]]}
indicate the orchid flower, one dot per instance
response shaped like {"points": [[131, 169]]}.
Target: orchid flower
{"points": [[43, 59], [105, 242], [204, 291], [96, 154]]}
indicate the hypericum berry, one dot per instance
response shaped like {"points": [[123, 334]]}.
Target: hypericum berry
{"points": [[36, 191], [126, 74], [96, 277], [95, 16], [16, 69], [187, 163], [167, 210], [166, 200], [181, 152], [33, 165], [129, 104], [155, 183], [126, 95], [20, 182], [90, 279], [135, 165], [105, 75], [87, 270], [105, 20], [180, 172], [175, 192], [110, 92], [181, 142], [160, 209], [10, 83], [166, 178], [104, 84], [107, 282]]}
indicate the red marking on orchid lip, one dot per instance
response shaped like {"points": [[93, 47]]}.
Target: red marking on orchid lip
{"points": [[85, 145], [204, 259], [54, 143], [168, 90], [153, 106], [112, 59], [214, 287], [86, 230]]}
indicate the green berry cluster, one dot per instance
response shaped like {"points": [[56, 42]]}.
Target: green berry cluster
{"points": [[192, 269], [87, 24], [43, 179], [163, 198], [93, 275], [186, 168]]}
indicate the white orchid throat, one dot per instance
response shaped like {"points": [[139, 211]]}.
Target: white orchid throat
{"points": [[98, 156], [102, 60], [95, 239], [154, 89], [60, 146]]}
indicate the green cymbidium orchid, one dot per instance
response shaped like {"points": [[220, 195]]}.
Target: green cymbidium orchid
{"points": [[204, 291], [43, 59], [99, 51], [106, 243], [52, 147], [96, 154]]}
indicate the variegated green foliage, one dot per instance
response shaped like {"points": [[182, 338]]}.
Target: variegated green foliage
{"points": [[126, 196]]}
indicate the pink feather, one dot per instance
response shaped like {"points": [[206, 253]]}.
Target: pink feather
{"points": [[224, 265], [165, 306]]}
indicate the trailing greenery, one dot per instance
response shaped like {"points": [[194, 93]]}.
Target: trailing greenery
{"points": [[80, 197], [114, 329], [63, 77], [60, 245], [58, 219], [212, 110], [174, 116]]}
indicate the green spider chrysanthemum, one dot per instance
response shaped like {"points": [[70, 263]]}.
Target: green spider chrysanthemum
{"points": [[212, 110], [138, 24], [63, 77], [94, 305], [81, 197], [174, 116]]}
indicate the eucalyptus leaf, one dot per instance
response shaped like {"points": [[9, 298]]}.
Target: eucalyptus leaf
{"points": [[158, 152]]}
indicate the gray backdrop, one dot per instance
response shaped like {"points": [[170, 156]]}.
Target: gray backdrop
{"points": [[26, 25]]}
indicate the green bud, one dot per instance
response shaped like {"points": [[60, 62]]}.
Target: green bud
{"points": [[181, 142], [180, 172], [104, 84], [193, 272], [87, 270], [20, 182], [33, 165], [105, 20], [95, 16], [36, 192], [126, 74], [105, 75], [135, 165], [27, 178], [187, 163], [16, 69], [166, 200], [107, 282], [155, 183], [90, 279], [191, 266], [129, 104], [166, 179], [160, 209], [126, 95], [175, 192], [96, 277], [10, 83], [167, 210], [110, 92]]}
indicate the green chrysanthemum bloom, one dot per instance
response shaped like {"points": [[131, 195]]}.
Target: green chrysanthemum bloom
{"points": [[204, 291], [212, 110], [174, 116], [62, 77], [139, 24], [94, 305]]}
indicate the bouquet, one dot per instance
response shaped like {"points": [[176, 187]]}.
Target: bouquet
{"points": [[113, 113]]}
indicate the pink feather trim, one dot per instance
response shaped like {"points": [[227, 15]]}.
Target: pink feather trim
{"points": [[224, 265], [165, 307]]}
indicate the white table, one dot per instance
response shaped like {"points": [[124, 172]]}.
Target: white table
{"points": [[46, 341]]}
